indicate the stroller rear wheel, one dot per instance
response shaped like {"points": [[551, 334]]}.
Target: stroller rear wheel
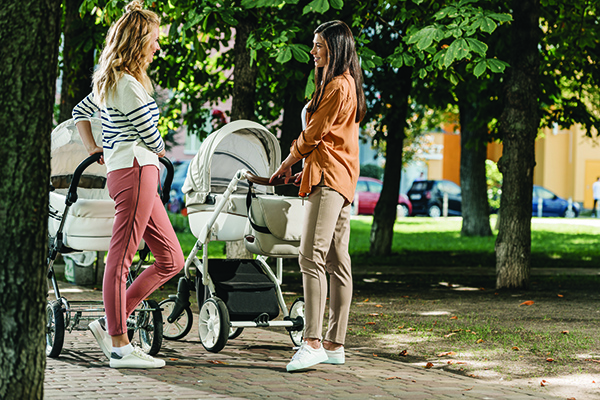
{"points": [[55, 328], [181, 326], [213, 324], [149, 324], [235, 332], [297, 311]]}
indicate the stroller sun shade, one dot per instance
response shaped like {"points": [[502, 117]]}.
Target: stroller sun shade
{"points": [[238, 145]]}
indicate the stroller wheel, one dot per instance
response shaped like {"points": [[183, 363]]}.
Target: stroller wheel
{"points": [[149, 324], [235, 332], [213, 324], [55, 328], [297, 311], [180, 326]]}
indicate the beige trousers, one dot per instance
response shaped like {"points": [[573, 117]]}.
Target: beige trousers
{"points": [[324, 248]]}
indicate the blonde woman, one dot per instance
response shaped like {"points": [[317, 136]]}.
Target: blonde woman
{"points": [[329, 146], [131, 146]]}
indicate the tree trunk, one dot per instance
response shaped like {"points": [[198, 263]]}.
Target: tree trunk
{"points": [[384, 216], [78, 64], [519, 123], [242, 103], [29, 54], [473, 152]]}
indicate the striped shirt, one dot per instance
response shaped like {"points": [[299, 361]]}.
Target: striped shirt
{"points": [[129, 124]]}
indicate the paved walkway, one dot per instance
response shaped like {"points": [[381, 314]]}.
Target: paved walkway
{"points": [[250, 367]]}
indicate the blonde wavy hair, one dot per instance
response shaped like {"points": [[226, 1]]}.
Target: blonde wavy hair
{"points": [[126, 50]]}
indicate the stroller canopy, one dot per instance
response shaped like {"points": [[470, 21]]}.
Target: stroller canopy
{"points": [[67, 151], [238, 145]]}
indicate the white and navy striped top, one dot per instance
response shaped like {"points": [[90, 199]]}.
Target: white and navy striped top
{"points": [[129, 124]]}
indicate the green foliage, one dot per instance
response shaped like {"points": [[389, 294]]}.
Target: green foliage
{"points": [[494, 183], [371, 171]]}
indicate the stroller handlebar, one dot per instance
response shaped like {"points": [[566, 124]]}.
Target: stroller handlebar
{"points": [[72, 193], [259, 180]]}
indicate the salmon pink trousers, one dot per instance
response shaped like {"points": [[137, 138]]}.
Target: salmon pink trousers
{"points": [[139, 214]]}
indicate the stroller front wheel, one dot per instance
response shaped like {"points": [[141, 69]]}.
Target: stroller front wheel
{"points": [[55, 328], [213, 324], [181, 326]]}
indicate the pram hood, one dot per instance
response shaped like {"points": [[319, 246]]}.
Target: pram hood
{"points": [[67, 151], [238, 145]]}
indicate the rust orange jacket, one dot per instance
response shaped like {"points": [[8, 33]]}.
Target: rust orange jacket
{"points": [[329, 143]]}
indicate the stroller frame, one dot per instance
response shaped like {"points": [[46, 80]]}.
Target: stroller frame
{"points": [[215, 326], [67, 315]]}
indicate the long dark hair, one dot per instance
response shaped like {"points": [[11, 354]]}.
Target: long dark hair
{"points": [[341, 55]]}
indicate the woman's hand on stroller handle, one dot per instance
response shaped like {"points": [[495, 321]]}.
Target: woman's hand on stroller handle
{"points": [[285, 170]]}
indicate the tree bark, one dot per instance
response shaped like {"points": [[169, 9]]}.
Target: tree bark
{"points": [[473, 152], [243, 100], [78, 64], [519, 123], [384, 216], [29, 54]]}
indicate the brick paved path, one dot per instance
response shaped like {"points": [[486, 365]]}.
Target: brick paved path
{"points": [[252, 367]]}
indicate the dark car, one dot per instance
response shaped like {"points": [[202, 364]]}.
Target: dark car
{"points": [[427, 197], [176, 201], [368, 190], [552, 205]]}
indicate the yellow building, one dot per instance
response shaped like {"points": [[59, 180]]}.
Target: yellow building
{"points": [[567, 161]]}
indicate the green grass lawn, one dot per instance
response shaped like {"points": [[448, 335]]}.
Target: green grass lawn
{"points": [[423, 241]]}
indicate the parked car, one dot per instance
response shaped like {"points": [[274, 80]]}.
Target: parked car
{"points": [[368, 191], [176, 201], [552, 205], [427, 197]]}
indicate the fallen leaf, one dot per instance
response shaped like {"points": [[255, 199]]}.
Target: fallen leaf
{"points": [[410, 329], [466, 390], [403, 353], [515, 348], [571, 398], [375, 355], [480, 341], [173, 359], [565, 332], [365, 300], [543, 383], [527, 303], [450, 334], [428, 365], [596, 361], [454, 317], [378, 305], [446, 353], [405, 297], [392, 377], [370, 323], [550, 359], [401, 327], [374, 314], [215, 362], [560, 295]]}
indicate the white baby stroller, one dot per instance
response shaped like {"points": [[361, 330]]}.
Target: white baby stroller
{"points": [[81, 219], [228, 198]]}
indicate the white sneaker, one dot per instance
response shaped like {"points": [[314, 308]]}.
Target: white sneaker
{"points": [[335, 356], [98, 328], [136, 359], [306, 357]]}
